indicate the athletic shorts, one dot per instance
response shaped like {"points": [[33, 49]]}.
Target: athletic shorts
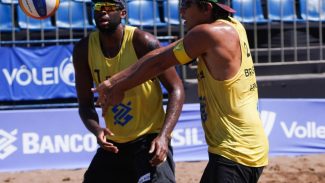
{"points": [[223, 170], [130, 164]]}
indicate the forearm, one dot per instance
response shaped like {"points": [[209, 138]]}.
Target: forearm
{"points": [[146, 68], [90, 119], [173, 111]]}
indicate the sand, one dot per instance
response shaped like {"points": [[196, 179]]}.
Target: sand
{"points": [[300, 169]]}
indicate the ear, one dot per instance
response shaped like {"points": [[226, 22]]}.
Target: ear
{"points": [[209, 7], [123, 13]]}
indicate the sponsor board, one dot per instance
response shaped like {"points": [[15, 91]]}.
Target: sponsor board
{"points": [[56, 138], [33, 74]]}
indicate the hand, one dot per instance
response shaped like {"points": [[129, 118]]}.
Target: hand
{"points": [[100, 89], [159, 146], [107, 95], [102, 142]]}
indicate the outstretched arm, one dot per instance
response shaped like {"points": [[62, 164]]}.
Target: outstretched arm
{"points": [[196, 43], [111, 91]]}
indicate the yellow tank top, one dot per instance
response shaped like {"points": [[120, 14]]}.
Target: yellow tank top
{"points": [[141, 111], [229, 113]]}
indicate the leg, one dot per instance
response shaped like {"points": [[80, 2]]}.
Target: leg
{"points": [[257, 173], [105, 167], [222, 170], [248, 174], [218, 172]]}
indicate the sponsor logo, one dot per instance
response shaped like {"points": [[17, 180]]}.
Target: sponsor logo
{"points": [[76, 143], [6, 140], [24, 76], [268, 120], [67, 71], [308, 130], [33, 143], [204, 114], [121, 113], [186, 137]]}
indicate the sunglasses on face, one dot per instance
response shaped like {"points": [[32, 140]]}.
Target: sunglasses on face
{"points": [[186, 4], [105, 6]]}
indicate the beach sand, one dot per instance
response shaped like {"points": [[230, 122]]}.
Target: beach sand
{"points": [[299, 169]]}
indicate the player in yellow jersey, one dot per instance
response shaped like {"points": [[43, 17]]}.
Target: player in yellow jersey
{"points": [[135, 144], [237, 144]]}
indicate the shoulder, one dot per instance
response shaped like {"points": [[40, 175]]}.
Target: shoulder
{"points": [[214, 31], [216, 36], [143, 38], [80, 50], [81, 44], [144, 42]]}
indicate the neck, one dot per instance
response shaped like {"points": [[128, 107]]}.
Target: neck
{"points": [[111, 43], [112, 35]]}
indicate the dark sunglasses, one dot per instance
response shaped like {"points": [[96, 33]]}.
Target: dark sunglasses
{"points": [[186, 3], [105, 6]]}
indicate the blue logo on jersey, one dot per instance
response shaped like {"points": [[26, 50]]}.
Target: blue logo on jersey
{"points": [[204, 114], [121, 113]]}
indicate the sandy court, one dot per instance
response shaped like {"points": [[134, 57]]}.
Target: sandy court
{"points": [[301, 169]]}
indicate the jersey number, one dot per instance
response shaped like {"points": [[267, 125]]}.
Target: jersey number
{"points": [[248, 54]]}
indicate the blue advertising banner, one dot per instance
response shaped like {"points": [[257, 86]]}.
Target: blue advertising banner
{"points": [[56, 138], [294, 126], [36, 73], [188, 138], [46, 139]]}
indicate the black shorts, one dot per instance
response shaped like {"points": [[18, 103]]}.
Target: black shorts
{"points": [[223, 170], [130, 164]]}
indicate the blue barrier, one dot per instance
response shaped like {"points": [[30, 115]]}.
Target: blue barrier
{"points": [[57, 139]]}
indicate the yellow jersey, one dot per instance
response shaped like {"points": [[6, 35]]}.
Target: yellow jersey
{"points": [[229, 113], [141, 111]]}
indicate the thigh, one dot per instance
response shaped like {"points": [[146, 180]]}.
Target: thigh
{"points": [[257, 172], [106, 167], [216, 172], [222, 170]]}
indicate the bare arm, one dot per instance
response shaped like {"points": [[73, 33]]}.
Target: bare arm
{"points": [[196, 43], [144, 43], [152, 64], [111, 91], [174, 86], [169, 78], [176, 96], [84, 83]]}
